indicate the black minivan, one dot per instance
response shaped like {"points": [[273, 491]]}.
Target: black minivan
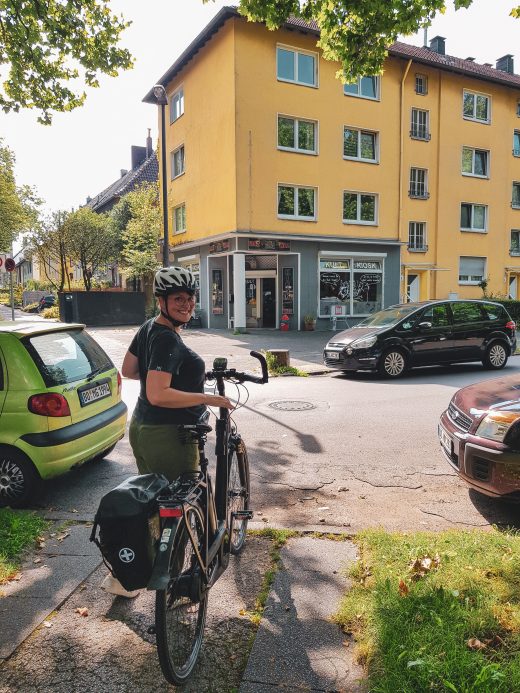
{"points": [[425, 333]]}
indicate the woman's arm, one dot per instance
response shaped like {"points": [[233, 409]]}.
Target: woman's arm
{"points": [[130, 367], [160, 393]]}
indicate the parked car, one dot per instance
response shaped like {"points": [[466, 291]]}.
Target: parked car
{"points": [[46, 302], [422, 334], [479, 435], [60, 404]]}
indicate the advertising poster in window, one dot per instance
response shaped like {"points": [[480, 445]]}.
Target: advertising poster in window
{"points": [[287, 291], [217, 293]]}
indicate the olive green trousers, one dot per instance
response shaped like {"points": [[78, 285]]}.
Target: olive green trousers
{"points": [[163, 449]]}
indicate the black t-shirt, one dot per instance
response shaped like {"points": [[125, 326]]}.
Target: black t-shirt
{"points": [[158, 348]]}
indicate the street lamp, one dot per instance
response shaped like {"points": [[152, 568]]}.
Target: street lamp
{"points": [[162, 101]]}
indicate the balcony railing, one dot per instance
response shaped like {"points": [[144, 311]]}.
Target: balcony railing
{"points": [[419, 193], [420, 133]]}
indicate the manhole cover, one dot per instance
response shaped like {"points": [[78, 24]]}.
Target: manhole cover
{"points": [[292, 405]]}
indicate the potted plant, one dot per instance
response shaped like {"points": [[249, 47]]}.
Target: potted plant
{"points": [[309, 321]]}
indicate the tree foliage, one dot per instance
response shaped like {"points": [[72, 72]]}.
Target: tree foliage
{"points": [[143, 230], [18, 205], [47, 43], [355, 33], [47, 245]]}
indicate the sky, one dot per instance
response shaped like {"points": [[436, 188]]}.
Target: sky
{"points": [[84, 150]]}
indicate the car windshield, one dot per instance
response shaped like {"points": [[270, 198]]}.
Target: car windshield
{"points": [[65, 356], [387, 317]]}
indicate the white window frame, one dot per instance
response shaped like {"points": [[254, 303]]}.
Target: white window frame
{"points": [[517, 205], [175, 229], [377, 97], [296, 52], [358, 221], [296, 188], [177, 97], [361, 131], [413, 191], [516, 135], [471, 228], [412, 232], [418, 79], [474, 117], [472, 173], [415, 126], [297, 121], [476, 278], [175, 151]]}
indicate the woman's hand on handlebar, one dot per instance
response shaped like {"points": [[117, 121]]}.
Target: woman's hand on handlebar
{"points": [[219, 401]]}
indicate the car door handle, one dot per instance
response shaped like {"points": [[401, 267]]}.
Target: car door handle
{"points": [[442, 338]]}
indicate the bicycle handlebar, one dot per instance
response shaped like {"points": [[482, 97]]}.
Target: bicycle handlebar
{"points": [[242, 377]]}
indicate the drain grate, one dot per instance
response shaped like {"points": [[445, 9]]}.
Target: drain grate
{"points": [[292, 405]]}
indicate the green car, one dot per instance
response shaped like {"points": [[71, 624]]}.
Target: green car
{"points": [[60, 404]]}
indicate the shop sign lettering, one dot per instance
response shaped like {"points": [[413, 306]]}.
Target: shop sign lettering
{"points": [[219, 247], [267, 244], [364, 265]]}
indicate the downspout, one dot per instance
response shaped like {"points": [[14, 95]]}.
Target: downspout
{"points": [[401, 152]]}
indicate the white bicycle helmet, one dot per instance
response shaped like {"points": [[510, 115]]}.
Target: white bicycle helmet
{"points": [[171, 280]]}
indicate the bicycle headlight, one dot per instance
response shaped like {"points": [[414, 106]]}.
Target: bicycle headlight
{"points": [[496, 425], [364, 342]]}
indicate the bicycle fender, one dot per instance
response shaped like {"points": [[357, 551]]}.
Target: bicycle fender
{"points": [[161, 567]]}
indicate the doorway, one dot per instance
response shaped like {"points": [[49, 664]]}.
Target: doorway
{"points": [[412, 289], [260, 300], [512, 286], [268, 291]]}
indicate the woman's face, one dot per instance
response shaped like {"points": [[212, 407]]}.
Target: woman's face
{"points": [[180, 305]]}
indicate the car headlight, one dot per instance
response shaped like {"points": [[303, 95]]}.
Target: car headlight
{"points": [[496, 425], [364, 342]]}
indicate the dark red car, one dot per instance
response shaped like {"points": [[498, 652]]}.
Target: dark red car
{"points": [[479, 435]]}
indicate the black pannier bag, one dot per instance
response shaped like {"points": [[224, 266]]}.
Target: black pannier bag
{"points": [[129, 528]]}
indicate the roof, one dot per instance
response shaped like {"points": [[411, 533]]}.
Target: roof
{"points": [[419, 54], [146, 172], [21, 328]]}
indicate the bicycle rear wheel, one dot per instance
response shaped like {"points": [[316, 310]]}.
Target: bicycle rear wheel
{"points": [[238, 495], [180, 619]]}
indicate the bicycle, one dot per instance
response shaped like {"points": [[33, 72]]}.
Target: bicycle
{"points": [[200, 528]]}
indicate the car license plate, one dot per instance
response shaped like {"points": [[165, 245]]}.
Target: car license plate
{"points": [[445, 440], [333, 355], [92, 394]]}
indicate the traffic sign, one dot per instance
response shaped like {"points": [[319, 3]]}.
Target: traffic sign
{"points": [[10, 264]]}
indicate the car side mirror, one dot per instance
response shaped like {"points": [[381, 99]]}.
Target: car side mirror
{"points": [[425, 325]]}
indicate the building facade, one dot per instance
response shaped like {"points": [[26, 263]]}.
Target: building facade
{"points": [[292, 194]]}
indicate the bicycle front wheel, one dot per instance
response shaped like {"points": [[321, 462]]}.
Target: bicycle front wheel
{"points": [[179, 615], [238, 496]]}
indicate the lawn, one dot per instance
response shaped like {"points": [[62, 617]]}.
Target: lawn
{"points": [[436, 612], [18, 531]]}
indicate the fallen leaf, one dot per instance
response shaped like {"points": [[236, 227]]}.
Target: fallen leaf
{"points": [[82, 611], [47, 624], [37, 560], [63, 536], [403, 588], [346, 643], [73, 510], [343, 488], [242, 612], [322, 519], [16, 577], [264, 519], [475, 644]]}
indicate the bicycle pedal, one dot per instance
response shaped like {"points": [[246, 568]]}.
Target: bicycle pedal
{"points": [[151, 630], [243, 515]]}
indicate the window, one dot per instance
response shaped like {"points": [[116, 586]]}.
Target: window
{"points": [[194, 268], [296, 202], [473, 217], [421, 84], [437, 315], [360, 145], [179, 219], [515, 200], [475, 162], [177, 105], [515, 242], [420, 129], [178, 162], [350, 286], [472, 270], [296, 66], [417, 236], [476, 107], [364, 87], [466, 312], [518, 108], [419, 183], [297, 135], [359, 208], [516, 143]]}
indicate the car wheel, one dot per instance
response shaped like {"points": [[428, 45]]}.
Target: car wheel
{"points": [[19, 480], [495, 357], [392, 363]]}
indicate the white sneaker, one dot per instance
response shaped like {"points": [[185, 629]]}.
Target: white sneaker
{"points": [[111, 585]]}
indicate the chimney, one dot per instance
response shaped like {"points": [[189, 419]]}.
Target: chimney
{"points": [[437, 45], [138, 155], [470, 59], [149, 147], [505, 64], [123, 172], [89, 199]]}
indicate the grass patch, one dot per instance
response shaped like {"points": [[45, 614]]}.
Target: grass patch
{"points": [[18, 531], [274, 369], [452, 624]]}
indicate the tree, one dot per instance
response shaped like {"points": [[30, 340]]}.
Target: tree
{"points": [[48, 43], [18, 205], [355, 33], [142, 232], [47, 243], [90, 242]]}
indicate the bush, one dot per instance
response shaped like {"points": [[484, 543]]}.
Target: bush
{"points": [[512, 307], [51, 313], [38, 285], [31, 308]]}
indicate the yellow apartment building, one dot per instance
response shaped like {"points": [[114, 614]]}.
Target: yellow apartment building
{"points": [[291, 194]]}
